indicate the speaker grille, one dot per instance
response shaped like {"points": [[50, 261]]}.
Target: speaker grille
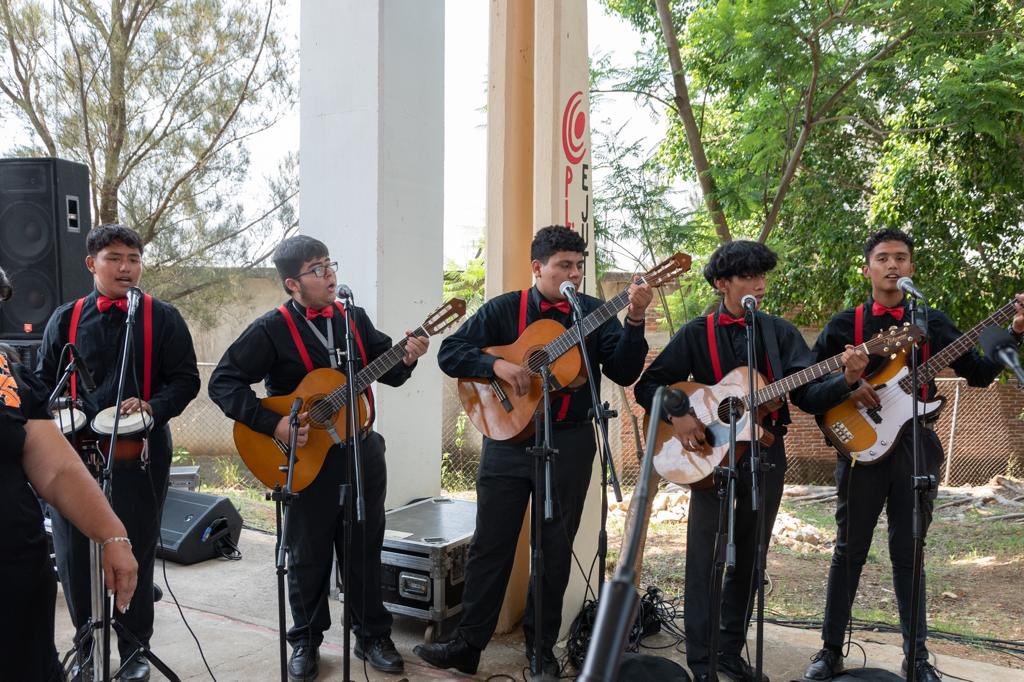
{"points": [[26, 232]]}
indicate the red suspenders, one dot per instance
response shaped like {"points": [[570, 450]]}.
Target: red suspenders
{"points": [[858, 338], [563, 408], [304, 354], [147, 342]]}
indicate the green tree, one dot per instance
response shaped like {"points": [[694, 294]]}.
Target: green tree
{"points": [[157, 98], [808, 124]]}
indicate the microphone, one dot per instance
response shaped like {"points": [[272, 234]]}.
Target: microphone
{"points": [[999, 345], [134, 296], [83, 371], [906, 285], [568, 290], [345, 294], [296, 406], [749, 302], [675, 403]]}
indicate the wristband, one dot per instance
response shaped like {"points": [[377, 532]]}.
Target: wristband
{"points": [[634, 322], [116, 538]]}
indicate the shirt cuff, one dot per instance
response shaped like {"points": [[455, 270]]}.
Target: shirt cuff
{"points": [[635, 331]]}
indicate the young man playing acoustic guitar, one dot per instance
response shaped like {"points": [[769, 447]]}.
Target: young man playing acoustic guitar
{"points": [[864, 490], [161, 380], [280, 348], [505, 479], [704, 350]]}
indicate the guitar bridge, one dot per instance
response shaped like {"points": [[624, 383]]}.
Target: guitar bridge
{"points": [[502, 396], [841, 432]]}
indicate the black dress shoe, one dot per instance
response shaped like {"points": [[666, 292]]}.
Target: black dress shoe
{"points": [[302, 666], [458, 654], [380, 652], [137, 670], [825, 665], [737, 669], [923, 671], [548, 663]]}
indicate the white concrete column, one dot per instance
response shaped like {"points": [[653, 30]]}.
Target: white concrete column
{"points": [[371, 113]]}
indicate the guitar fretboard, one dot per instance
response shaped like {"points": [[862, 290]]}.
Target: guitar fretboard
{"points": [[373, 371], [568, 339], [947, 355]]}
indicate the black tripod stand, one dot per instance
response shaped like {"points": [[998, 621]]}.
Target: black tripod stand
{"points": [[924, 485], [543, 498], [282, 498]]}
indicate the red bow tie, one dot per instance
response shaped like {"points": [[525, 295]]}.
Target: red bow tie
{"points": [[561, 306], [313, 313], [725, 319], [877, 309], [104, 303]]}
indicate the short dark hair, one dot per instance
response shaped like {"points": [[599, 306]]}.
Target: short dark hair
{"points": [[742, 257], [554, 238], [102, 236], [293, 252], [888, 234]]}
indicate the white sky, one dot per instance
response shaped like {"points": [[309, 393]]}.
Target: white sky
{"points": [[466, 33]]}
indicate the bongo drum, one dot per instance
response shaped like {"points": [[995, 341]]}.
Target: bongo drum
{"points": [[131, 433]]}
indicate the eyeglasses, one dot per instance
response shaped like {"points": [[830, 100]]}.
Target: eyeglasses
{"points": [[320, 270]]}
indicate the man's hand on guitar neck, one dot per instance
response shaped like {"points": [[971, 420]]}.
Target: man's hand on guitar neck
{"points": [[640, 296], [515, 375], [855, 362], [1018, 319], [281, 430]]}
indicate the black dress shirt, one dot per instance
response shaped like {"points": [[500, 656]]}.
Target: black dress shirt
{"points": [[175, 377], [978, 370], [266, 352], [687, 357], [618, 352]]}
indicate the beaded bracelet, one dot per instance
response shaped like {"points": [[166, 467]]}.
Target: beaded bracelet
{"points": [[117, 538]]}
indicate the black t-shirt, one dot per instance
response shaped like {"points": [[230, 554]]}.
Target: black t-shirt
{"points": [[21, 519]]}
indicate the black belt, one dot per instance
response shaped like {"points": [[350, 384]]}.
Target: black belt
{"points": [[566, 425]]}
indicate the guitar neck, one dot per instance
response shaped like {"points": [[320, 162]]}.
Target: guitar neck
{"points": [[950, 353], [606, 311], [778, 389], [376, 369]]}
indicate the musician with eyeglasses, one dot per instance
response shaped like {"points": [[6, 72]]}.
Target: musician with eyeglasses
{"points": [[280, 348], [161, 380], [863, 490]]}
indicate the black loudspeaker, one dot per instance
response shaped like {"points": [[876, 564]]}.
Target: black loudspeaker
{"points": [[44, 220], [196, 527]]}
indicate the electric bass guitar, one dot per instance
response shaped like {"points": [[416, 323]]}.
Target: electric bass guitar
{"points": [[492, 404], [868, 435], [325, 395], [712, 405]]}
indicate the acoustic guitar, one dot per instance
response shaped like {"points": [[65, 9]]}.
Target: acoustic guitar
{"points": [[868, 435], [712, 405], [324, 394], [492, 404]]}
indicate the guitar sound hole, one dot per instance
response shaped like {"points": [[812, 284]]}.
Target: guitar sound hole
{"points": [[726, 405], [538, 358], [320, 412]]}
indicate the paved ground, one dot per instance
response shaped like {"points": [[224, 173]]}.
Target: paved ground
{"points": [[232, 608]]}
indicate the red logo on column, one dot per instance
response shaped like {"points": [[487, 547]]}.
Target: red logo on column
{"points": [[574, 125]]}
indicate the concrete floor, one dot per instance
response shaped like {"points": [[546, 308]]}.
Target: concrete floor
{"points": [[232, 608]]}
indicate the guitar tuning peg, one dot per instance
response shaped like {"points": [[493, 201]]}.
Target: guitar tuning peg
{"points": [[885, 349], [892, 357]]}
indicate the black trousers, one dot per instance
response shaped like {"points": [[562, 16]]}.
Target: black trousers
{"points": [[137, 497], [862, 492], [738, 593], [28, 593], [504, 486], [316, 532]]}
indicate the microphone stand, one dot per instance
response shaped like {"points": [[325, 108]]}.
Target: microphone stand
{"points": [[599, 414], [543, 498], [757, 468], [101, 601], [355, 474], [923, 484], [282, 498], [725, 540], [616, 611]]}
